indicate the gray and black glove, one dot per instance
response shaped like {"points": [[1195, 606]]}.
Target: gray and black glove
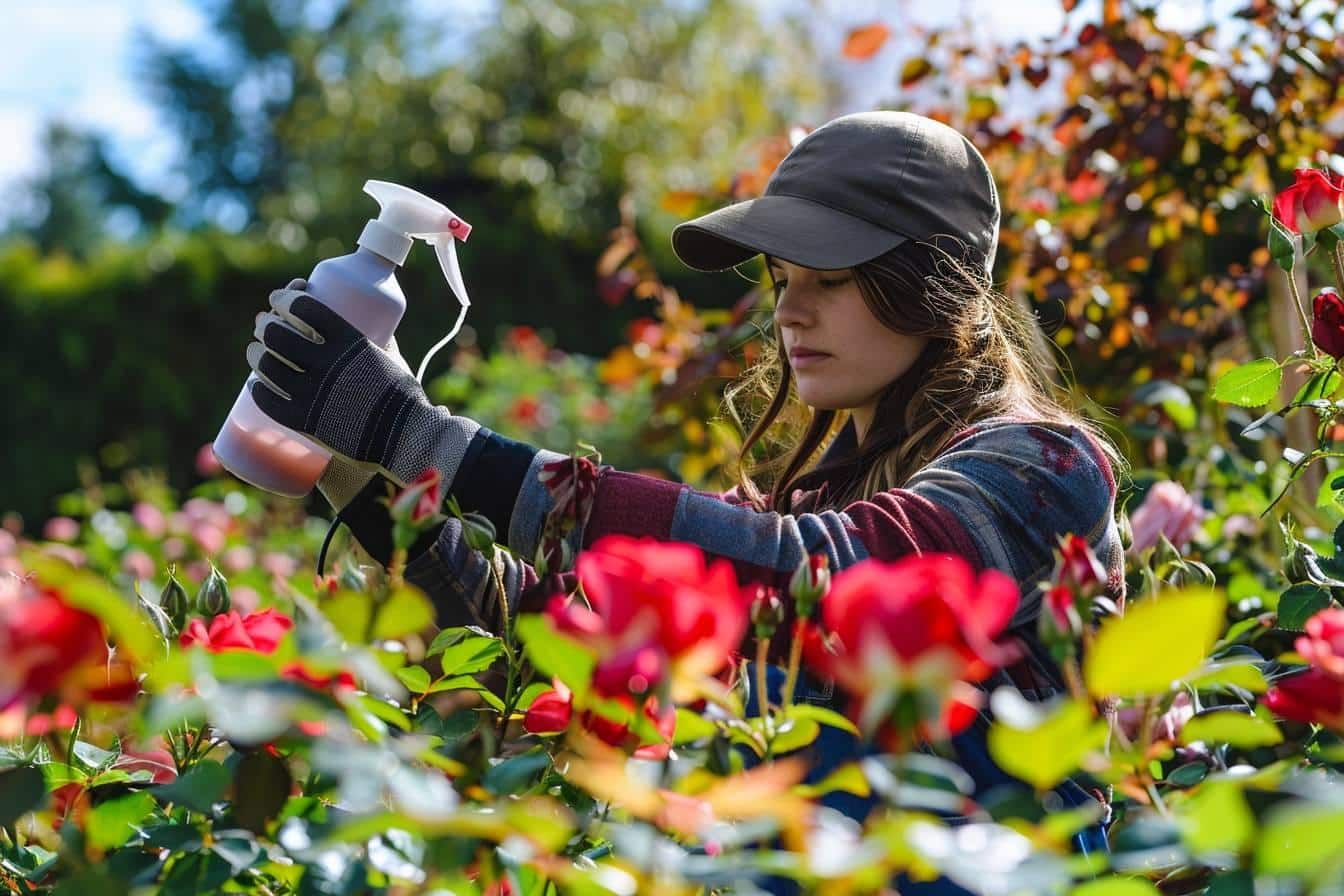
{"points": [[320, 376]]}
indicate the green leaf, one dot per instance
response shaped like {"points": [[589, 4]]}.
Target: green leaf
{"points": [[261, 785], [1158, 641], [22, 789], [1216, 820], [518, 773], [1237, 729], [1045, 749], [823, 715], [447, 638], [555, 655], [204, 784], [1250, 385], [1299, 839], [1299, 603], [848, 778], [794, 734], [1281, 247], [474, 654], [112, 823], [385, 711], [415, 678], [349, 612], [1239, 673], [405, 612], [95, 759], [1188, 775], [692, 726], [1322, 384], [238, 848], [1232, 883], [1116, 886]]}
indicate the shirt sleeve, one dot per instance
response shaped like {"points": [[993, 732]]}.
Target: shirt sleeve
{"points": [[1002, 495]]}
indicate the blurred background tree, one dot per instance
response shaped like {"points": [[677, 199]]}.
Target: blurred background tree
{"points": [[531, 123], [575, 134]]}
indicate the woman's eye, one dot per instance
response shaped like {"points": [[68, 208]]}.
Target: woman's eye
{"points": [[829, 284]]}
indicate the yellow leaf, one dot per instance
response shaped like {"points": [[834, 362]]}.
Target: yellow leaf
{"points": [[1157, 642], [1050, 750], [914, 70]]}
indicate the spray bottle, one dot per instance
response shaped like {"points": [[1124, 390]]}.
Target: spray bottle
{"points": [[362, 288]]}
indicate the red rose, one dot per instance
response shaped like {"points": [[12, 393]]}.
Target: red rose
{"points": [[1058, 608], [907, 636], [420, 499], [319, 681], [1323, 643], [526, 411], [645, 591], [637, 671], [261, 632], [50, 647], [552, 711], [1078, 565], [1327, 322], [1312, 696], [1314, 202]]}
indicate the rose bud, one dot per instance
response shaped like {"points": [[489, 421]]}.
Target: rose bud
{"points": [[1327, 322], [213, 598], [174, 602]]}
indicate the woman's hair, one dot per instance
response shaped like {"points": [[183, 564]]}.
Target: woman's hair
{"points": [[986, 356]]}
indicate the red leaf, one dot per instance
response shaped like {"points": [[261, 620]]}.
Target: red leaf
{"points": [[865, 41]]}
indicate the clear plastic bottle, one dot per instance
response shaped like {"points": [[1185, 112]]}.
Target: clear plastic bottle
{"points": [[362, 288]]}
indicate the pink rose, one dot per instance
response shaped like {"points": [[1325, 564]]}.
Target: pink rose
{"points": [[206, 463], [1167, 510], [138, 564], [149, 518], [60, 528]]}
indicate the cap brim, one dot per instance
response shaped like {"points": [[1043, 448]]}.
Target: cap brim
{"points": [[786, 227]]}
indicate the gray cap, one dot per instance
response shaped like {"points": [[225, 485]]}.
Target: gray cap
{"points": [[853, 189]]}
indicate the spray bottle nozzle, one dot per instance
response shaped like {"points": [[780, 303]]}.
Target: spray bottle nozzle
{"points": [[408, 215]]}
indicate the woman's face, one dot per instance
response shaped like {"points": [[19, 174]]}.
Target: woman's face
{"points": [[842, 356]]}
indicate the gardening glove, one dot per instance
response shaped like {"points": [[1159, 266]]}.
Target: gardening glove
{"points": [[320, 376], [343, 479]]}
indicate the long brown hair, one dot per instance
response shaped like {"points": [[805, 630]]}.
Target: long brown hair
{"points": [[986, 357]]}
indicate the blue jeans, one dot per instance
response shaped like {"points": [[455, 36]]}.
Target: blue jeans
{"points": [[835, 747]]}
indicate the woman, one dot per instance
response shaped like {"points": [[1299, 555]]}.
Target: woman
{"points": [[929, 395]]}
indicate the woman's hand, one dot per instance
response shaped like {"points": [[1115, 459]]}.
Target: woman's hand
{"points": [[320, 376]]}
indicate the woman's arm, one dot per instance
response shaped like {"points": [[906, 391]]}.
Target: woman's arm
{"points": [[1001, 495]]}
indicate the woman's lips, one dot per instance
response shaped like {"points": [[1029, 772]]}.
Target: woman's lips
{"points": [[806, 358]]}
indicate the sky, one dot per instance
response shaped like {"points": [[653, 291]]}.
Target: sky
{"points": [[72, 59]]}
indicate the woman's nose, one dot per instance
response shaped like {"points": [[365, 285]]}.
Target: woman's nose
{"points": [[792, 310]]}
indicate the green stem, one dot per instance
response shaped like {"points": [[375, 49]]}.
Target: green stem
{"points": [[795, 662], [1302, 312], [762, 695], [1338, 259]]}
